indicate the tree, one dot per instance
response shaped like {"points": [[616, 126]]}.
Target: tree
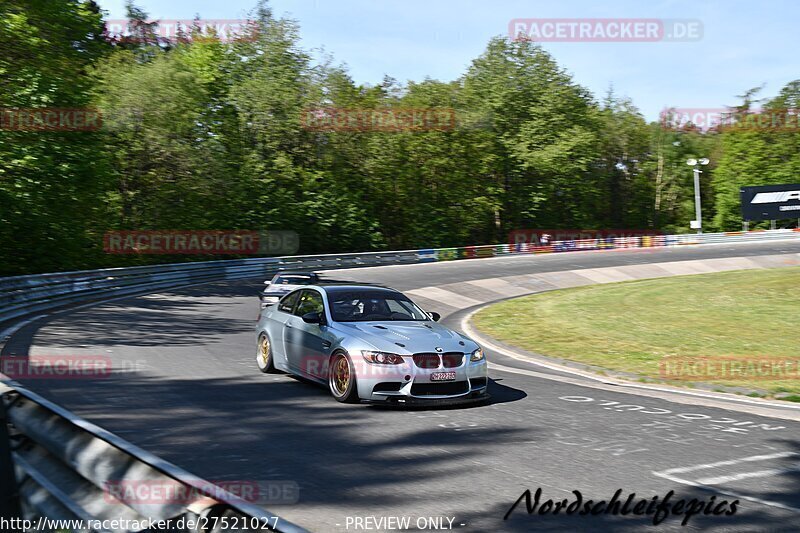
{"points": [[52, 184]]}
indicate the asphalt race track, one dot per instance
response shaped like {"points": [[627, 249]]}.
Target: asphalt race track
{"points": [[187, 389]]}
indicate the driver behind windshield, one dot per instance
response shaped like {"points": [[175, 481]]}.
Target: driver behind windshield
{"points": [[374, 306]]}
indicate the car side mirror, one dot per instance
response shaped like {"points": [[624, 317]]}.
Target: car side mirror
{"points": [[435, 316], [313, 318], [268, 282]]}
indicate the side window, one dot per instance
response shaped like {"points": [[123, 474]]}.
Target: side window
{"points": [[287, 304], [310, 302]]}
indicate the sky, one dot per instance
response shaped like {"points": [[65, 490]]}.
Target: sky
{"points": [[743, 44]]}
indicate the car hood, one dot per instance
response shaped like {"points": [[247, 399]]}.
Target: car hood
{"points": [[414, 336]]}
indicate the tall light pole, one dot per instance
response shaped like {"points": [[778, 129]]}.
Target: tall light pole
{"points": [[697, 223]]}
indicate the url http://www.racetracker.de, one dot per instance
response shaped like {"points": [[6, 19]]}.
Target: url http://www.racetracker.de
{"points": [[200, 523]]}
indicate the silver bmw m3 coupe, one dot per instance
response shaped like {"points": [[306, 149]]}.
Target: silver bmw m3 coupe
{"points": [[369, 344]]}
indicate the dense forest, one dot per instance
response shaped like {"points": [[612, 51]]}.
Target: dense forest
{"points": [[205, 133]]}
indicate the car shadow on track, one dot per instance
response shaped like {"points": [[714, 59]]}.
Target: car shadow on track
{"points": [[503, 393], [498, 394]]}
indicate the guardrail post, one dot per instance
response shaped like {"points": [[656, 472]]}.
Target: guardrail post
{"points": [[9, 497]]}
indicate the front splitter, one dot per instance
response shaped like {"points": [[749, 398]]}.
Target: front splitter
{"points": [[400, 402]]}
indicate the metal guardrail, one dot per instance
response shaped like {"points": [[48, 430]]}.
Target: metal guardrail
{"points": [[64, 465]]}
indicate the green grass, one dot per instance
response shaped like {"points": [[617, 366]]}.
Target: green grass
{"points": [[634, 326]]}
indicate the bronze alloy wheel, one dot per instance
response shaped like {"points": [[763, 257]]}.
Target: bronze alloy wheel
{"points": [[264, 356], [342, 381]]}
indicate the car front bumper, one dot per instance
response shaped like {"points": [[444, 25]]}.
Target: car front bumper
{"points": [[410, 385]]}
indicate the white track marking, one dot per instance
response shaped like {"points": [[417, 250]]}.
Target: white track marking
{"points": [[747, 475], [668, 395], [604, 275], [499, 286], [444, 296], [685, 469], [706, 482]]}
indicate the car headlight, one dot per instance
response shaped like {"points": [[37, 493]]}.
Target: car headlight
{"points": [[382, 358], [477, 355]]}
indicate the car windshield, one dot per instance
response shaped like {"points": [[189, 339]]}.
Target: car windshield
{"points": [[289, 279], [367, 305]]}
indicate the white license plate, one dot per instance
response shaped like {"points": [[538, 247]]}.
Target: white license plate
{"points": [[443, 376]]}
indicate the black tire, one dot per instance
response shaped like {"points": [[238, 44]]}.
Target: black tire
{"points": [[264, 355], [342, 379]]}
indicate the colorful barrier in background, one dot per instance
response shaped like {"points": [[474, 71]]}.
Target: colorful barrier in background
{"points": [[586, 245]]}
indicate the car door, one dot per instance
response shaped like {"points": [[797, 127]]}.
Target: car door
{"points": [[284, 313], [308, 344]]}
